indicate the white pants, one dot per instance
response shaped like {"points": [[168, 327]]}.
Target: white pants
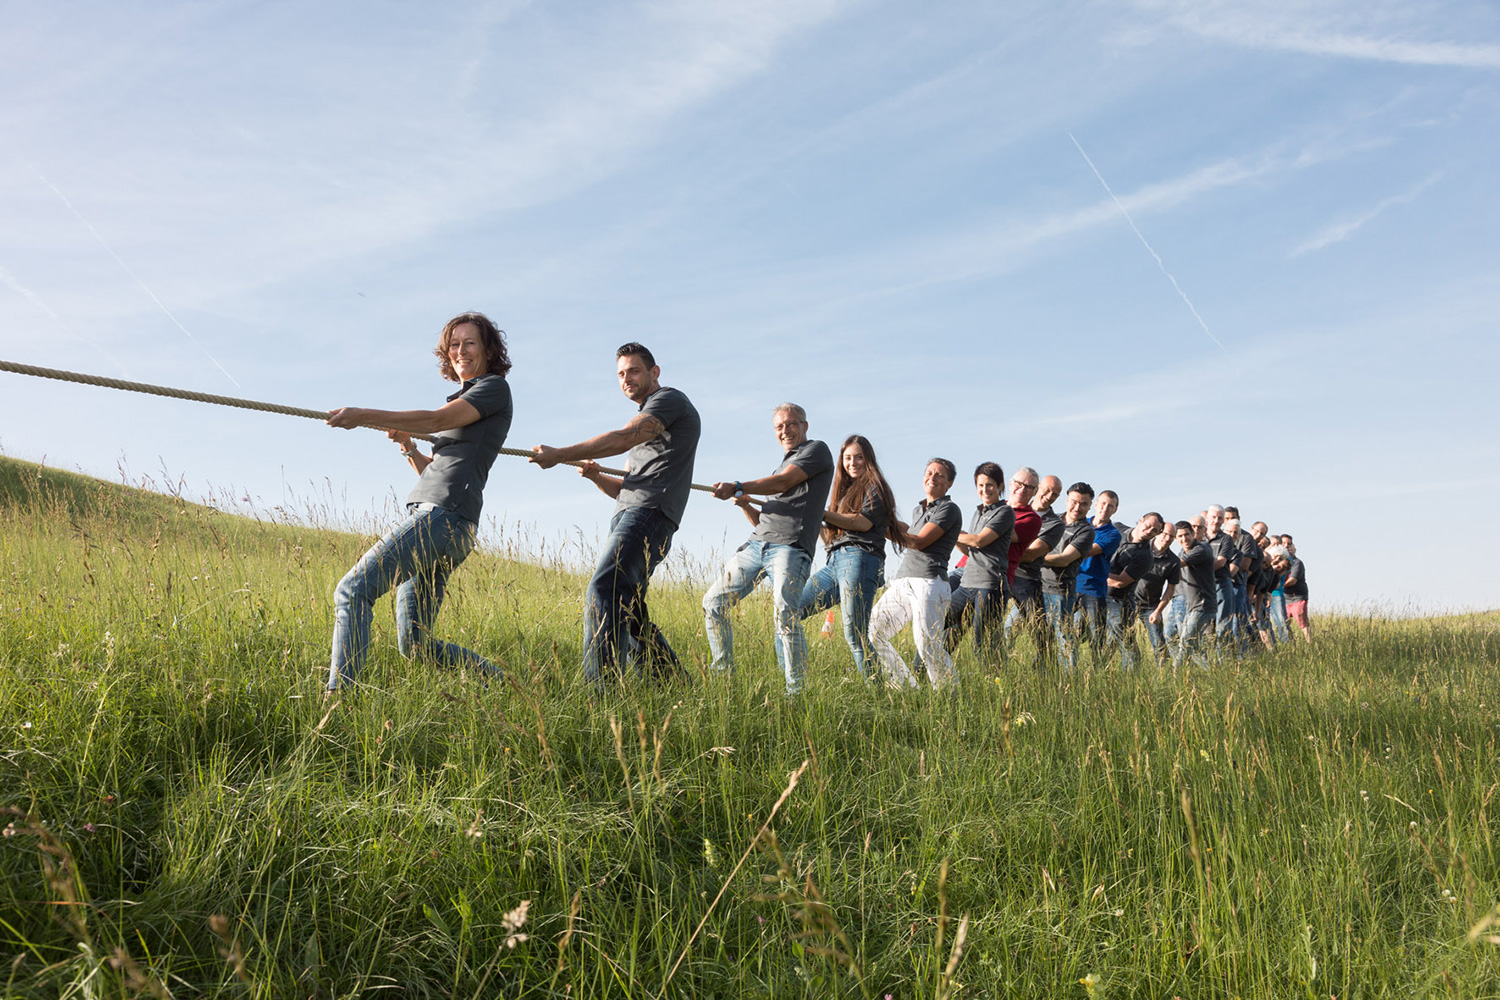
{"points": [[923, 603]]}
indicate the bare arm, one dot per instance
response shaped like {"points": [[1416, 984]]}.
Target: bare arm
{"points": [[1036, 550], [414, 457], [930, 533], [848, 522], [447, 417], [643, 427], [1066, 557], [967, 541], [1166, 598], [608, 485], [783, 480]]}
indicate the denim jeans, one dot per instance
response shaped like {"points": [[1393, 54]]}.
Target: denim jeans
{"points": [[851, 577], [416, 557], [1120, 618], [615, 617], [1224, 621], [1089, 614], [982, 607], [1156, 634], [1028, 613], [1060, 617], [1172, 618], [786, 567], [1195, 625], [1276, 610]]}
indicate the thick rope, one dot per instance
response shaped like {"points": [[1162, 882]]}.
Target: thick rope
{"points": [[244, 404]]}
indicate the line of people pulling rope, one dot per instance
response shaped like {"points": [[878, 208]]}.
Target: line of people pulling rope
{"points": [[1064, 579]]}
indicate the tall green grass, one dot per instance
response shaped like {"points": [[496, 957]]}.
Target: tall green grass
{"points": [[189, 815]]}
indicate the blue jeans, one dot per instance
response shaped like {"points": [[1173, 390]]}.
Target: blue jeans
{"points": [[615, 617], [1276, 610], [416, 557], [1089, 613], [1224, 621], [1172, 618], [851, 576], [1156, 634], [1120, 625], [983, 606], [1028, 612], [1060, 617], [1195, 624], [787, 568]]}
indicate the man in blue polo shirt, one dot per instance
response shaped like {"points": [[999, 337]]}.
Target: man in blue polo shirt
{"points": [[1093, 574], [780, 548]]}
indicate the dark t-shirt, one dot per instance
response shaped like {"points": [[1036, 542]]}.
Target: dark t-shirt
{"points": [[794, 516], [1060, 579], [1222, 545], [988, 568], [1295, 587], [1049, 532], [1198, 578], [1133, 558], [1028, 525], [461, 457], [932, 562], [659, 472], [872, 541], [1250, 552], [1093, 575], [1165, 569]]}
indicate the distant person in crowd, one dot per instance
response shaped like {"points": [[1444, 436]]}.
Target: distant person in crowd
{"points": [[1093, 573], [780, 548], [1177, 610], [662, 442], [1251, 560], [1157, 589], [1060, 571], [980, 597], [441, 523], [1130, 563], [1279, 561], [1223, 548], [919, 594], [1026, 583], [1238, 583], [1200, 592], [1260, 587], [1295, 589], [861, 515]]}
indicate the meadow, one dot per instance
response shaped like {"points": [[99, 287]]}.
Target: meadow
{"points": [[186, 815]]}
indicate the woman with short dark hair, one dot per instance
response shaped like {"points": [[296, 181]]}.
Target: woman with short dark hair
{"points": [[442, 510]]}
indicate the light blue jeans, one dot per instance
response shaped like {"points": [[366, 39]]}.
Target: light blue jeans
{"points": [[851, 576], [786, 567], [416, 557], [1276, 609], [1195, 625], [1120, 618], [1171, 619], [1060, 618]]}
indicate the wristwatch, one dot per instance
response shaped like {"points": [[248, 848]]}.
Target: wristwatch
{"points": [[739, 490]]}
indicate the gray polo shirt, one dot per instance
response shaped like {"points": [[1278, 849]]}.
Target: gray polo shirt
{"points": [[986, 568], [932, 562], [461, 457], [1063, 579], [794, 516], [659, 472], [872, 541]]}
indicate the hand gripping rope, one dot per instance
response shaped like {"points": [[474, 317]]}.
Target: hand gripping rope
{"points": [[244, 404]]}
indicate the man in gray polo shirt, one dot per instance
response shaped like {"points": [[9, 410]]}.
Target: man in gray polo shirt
{"points": [[780, 548], [662, 440], [920, 593]]}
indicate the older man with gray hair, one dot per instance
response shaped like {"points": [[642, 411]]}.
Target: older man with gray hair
{"points": [[780, 548]]}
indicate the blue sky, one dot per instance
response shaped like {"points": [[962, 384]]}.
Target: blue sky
{"points": [[883, 211]]}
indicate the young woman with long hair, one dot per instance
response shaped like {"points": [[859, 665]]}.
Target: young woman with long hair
{"points": [[859, 519]]}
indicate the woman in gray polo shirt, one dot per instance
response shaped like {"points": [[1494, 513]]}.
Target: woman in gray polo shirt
{"points": [[442, 519]]}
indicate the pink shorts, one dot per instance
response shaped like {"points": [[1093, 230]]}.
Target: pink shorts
{"points": [[1297, 612]]}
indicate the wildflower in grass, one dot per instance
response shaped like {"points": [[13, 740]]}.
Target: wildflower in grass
{"points": [[26, 724], [512, 922], [709, 856], [1089, 983]]}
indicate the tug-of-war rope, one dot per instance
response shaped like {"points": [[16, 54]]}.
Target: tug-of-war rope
{"points": [[244, 404]]}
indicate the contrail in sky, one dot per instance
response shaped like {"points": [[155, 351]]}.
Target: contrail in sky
{"points": [[1152, 252], [9, 280], [160, 304]]}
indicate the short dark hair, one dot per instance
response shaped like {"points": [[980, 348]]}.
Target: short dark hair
{"points": [[948, 467], [1233, 512], [1183, 526], [497, 358], [991, 469], [1152, 513], [1112, 495], [636, 350], [1083, 488]]}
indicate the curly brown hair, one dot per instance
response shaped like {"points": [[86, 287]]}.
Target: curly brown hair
{"points": [[497, 358]]}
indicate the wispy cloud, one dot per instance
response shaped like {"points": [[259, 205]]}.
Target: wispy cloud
{"points": [[1341, 30], [1342, 229]]}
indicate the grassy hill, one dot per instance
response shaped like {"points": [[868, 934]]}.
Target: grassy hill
{"points": [[186, 814]]}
